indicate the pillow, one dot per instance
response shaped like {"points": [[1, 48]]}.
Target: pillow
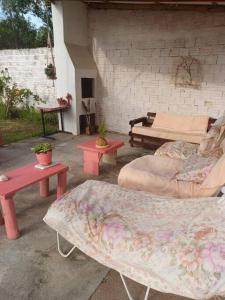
{"points": [[197, 168], [210, 144], [181, 123], [179, 150], [220, 121]]}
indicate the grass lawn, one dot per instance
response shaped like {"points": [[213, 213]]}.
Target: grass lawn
{"points": [[18, 129]]}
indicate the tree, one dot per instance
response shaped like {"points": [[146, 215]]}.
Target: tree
{"points": [[16, 31]]}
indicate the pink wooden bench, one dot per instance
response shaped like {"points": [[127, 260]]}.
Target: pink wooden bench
{"points": [[21, 178]]}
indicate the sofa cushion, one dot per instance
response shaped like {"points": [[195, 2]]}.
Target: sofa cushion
{"points": [[196, 168], [178, 149], [192, 137], [157, 174], [181, 123]]}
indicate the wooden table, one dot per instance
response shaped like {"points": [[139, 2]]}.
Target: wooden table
{"points": [[92, 155], [46, 110], [21, 178]]}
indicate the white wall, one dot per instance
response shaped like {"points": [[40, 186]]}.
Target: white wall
{"points": [[26, 67], [135, 53], [72, 57], [65, 82]]}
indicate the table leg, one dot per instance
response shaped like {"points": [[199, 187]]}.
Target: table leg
{"points": [[43, 122], [9, 214], [61, 187], [1, 219], [110, 158], [44, 187], [91, 162], [61, 117]]}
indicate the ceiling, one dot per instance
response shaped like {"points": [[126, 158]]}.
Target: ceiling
{"points": [[156, 4]]}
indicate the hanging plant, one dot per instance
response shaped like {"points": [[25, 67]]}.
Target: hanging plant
{"points": [[50, 71]]}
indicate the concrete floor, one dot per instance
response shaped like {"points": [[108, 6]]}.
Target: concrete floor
{"points": [[30, 267]]}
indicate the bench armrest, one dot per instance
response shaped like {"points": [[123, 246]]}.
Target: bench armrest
{"points": [[138, 120]]}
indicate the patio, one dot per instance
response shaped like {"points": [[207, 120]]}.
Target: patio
{"points": [[131, 53], [30, 266]]}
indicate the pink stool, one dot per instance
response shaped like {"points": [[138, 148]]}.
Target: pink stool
{"points": [[92, 155]]}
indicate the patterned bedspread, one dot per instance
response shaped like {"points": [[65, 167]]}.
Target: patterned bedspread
{"points": [[172, 245]]}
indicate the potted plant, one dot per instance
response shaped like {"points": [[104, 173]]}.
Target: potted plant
{"points": [[87, 109], [101, 141], [43, 153], [65, 102], [50, 71]]}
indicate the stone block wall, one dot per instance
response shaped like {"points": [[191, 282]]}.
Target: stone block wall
{"points": [[26, 67], [136, 53]]}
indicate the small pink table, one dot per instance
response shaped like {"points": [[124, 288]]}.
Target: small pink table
{"points": [[21, 178], [92, 155]]}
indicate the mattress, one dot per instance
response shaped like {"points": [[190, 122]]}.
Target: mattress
{"points": [[172, 245]]}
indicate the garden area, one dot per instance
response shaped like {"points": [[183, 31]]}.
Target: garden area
{"points": [[19, 118]]}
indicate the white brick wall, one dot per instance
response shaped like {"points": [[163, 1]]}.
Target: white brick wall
{"points": [[135, 53], [26, 67]]}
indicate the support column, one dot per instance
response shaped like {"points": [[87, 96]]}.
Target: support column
{"points": [[9, 215], [91, 162], [44, 187], [61, 187], [1, 219]]}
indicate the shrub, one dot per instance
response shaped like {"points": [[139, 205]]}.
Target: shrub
{"points": [[12, 97]]}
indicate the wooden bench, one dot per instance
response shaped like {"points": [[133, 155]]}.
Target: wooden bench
{"points": [[150, 141]]}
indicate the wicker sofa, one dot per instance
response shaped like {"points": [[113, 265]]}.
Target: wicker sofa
{"points": [[157, 128]]}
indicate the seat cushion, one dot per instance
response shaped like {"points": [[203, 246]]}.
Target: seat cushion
{"points": [[181, 123], [192, 137], [157, 174]]}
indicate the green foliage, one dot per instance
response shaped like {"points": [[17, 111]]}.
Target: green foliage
{"points": [[42, 148], [41, 36], [18, 32], [12, 97], [102, 130]]}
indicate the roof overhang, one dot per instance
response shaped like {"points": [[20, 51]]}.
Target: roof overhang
{"points": [[201, 5]]}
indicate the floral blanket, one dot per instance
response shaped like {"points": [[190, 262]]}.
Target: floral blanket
{"points": [[172, 245]]}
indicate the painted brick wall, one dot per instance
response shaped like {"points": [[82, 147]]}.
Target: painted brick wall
{"points": [[26, 66], [135, 53]]}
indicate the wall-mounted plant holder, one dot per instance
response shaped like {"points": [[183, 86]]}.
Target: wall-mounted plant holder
{"points": [[188, 73]]}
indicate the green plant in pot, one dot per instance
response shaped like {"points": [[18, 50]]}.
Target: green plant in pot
{"points": [[43, 153], [50, 71], [101, 141]]}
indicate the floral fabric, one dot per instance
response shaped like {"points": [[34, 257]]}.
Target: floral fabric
{"points": [[210, 145], [196, 168], [179, 149], [172, 245]]}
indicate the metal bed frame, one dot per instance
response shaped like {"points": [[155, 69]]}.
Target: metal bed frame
{"points": [[121, 275]]}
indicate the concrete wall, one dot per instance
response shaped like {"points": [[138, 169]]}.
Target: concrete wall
{"points": [[135, 53], [73, 60], [26, 66]]}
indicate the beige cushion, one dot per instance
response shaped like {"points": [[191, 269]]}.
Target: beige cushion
{"points": [[181, 123], [156, 174], [192, 137]]}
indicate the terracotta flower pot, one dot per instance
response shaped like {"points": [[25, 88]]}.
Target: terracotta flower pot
{"points": [[44, 158]]}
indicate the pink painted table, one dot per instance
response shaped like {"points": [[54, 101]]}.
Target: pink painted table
{"points": [[21, 178], [92, 155]]}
